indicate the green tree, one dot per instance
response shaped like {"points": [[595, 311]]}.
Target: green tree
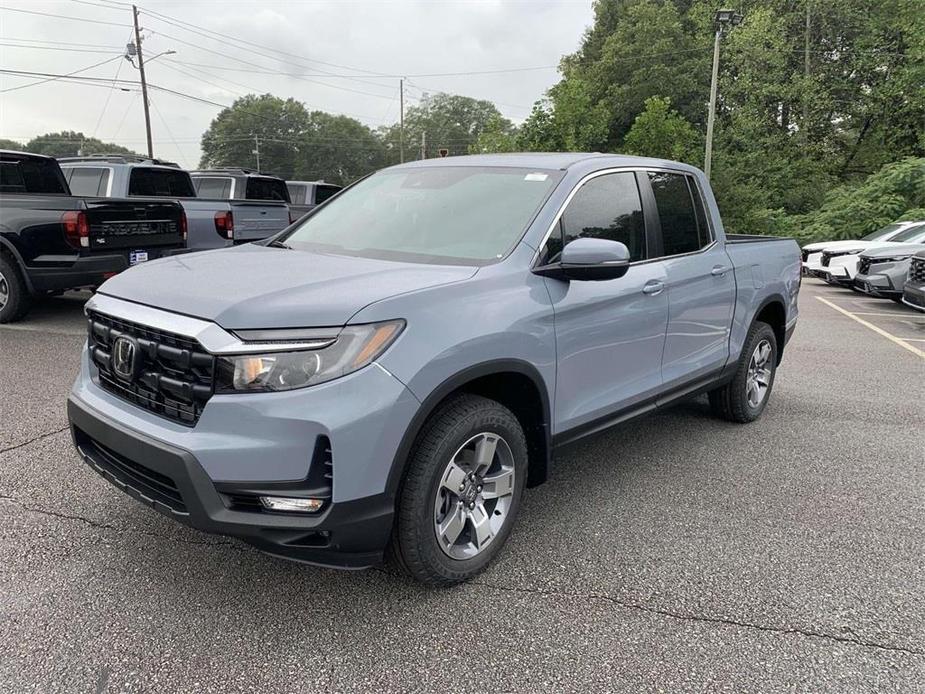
{"points": [[498, 136], [69, 143], [11, 144], [337, 149], [277, 126], [449, 121], [660, 131]]}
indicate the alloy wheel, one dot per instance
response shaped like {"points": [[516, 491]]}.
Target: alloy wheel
{"points": [[475, 496], [4, 290], [758, 380]]}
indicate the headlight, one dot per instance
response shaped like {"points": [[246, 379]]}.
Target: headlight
{"points": [[894, 259], [355, 347]]}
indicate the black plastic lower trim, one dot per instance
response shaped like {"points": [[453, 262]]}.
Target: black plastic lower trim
{"points": [[349, 534]]}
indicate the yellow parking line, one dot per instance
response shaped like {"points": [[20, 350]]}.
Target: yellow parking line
{"points": [[879, 331]]}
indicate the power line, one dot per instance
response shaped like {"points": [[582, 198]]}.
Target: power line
{"points": [[59, 43], [55, 48], [53, 77], [112, 88], [62, 16]]}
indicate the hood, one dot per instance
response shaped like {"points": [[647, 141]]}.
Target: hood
{"points": [[888, 250], [836, 245], [253, 286]]}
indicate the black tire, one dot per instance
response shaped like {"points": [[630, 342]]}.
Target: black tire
{"points": [[15, 299], [898, 300], [414, 548], [731, 401]]}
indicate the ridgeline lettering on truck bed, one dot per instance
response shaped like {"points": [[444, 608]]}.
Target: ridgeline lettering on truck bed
{"points": [[385, 377], [51, 241], [214, 221]]}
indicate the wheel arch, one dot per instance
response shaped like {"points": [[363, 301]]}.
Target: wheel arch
{"points": [[772, 310], [517, 385], [7, 248]]}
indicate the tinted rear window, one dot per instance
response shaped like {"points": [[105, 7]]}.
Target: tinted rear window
{"points": [[160, 183], [213, 187], [322, 193], [31, 176], [91, 181], [260, 188], [680, 230]]}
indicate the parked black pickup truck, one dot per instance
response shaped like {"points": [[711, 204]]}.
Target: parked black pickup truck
{"points": [[51, 241]]}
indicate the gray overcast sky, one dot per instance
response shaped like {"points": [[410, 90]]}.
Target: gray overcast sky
{"points": [[400, 38]]}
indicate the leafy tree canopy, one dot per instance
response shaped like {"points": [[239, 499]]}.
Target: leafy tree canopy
{"points": [[69, 143]]}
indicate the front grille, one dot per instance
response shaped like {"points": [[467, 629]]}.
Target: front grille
{"points": [[917, 271], [174, 377], [148, 483], [864, 265]]}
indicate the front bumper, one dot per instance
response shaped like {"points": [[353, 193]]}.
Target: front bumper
{"points": [[63, 272], [914, 296], [267, 442], [879, 285]]}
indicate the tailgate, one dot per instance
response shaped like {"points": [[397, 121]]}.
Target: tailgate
{"points": [[136, 223], [257, 220]]}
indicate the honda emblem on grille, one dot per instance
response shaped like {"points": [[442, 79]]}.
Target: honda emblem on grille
{"points": [[124, 351]]}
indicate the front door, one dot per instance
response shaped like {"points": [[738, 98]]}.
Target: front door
{"points": [[609, 334]]}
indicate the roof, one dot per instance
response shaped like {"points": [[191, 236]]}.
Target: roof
{"points": [[544, 160], [233, 170], [117, 159], [16, 153]]}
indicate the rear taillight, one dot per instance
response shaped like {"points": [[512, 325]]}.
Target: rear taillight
{"points": [[76, 228], [184, 228], [224, 224]]}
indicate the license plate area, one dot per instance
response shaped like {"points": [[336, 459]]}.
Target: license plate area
{"points": [[135, 257]]}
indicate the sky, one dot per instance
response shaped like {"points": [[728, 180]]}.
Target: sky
{"points": [[338, 56]]}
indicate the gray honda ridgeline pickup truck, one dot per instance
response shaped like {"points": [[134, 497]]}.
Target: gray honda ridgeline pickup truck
{"points": [[387, 375]]}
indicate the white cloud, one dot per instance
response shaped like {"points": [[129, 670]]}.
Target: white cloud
{"points": [[408, 38]]}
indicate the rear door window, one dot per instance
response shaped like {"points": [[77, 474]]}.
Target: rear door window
{"points": [[154, 182], [89, 181], [323, 192], [263, 188], [684, 224], [606, 207], [213, 186]]}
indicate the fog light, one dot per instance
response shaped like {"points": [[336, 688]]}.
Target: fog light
{"points": [[288, 503]]}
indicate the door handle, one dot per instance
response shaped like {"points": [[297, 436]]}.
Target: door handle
{"points": [[653, 287], [720, 270]]}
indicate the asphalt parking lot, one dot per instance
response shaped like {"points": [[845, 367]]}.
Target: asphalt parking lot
{"points": [[676, 553]]}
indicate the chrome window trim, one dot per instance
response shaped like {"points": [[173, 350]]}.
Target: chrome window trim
{"points": [[215, 339], [623, 169]]}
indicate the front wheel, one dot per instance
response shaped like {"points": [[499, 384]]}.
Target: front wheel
{"points": [[15, 299], [744, 398], [461, 493]]}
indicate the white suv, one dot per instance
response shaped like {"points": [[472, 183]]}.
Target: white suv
{"points": [[812, 252]]}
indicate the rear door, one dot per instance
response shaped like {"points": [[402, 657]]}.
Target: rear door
{"points": [[609, 334], [701, 281]]}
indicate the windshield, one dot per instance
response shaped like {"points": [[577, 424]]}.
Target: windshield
{"points": [[912, 234], [883, 231], [454, 214]]}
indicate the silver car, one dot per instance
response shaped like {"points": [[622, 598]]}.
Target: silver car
{"points": [[882, 271]]}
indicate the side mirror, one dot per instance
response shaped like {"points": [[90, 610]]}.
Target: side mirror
{"points": [[589, 259]]}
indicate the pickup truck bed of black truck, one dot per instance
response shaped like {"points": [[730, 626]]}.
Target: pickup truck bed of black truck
{"points": [[51, 241]]}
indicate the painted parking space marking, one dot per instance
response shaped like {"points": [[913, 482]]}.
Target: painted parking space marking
{"points": [[880, 331]]}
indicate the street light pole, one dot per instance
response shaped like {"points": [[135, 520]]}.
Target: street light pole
{"points": [[144, 83], [711, 116], [724, 20]]}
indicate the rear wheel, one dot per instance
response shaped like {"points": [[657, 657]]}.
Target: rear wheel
{"points": [[461, 493], [744, 398], [15, 299]]}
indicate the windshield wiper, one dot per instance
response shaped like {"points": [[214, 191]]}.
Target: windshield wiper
{"points": [[280, 244]]}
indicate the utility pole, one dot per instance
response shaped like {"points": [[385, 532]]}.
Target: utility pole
{"points": [[144, 84], [724, 20], [257, 150], [424, 145], [401, 127]]}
